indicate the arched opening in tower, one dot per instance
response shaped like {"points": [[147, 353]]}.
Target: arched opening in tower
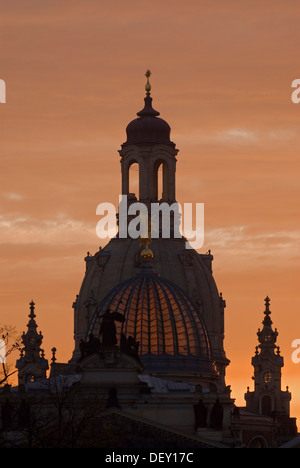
{"points": [[160, 177], [134, 182]]}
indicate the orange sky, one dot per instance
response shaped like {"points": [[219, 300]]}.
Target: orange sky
{"points": [[221, 76]]}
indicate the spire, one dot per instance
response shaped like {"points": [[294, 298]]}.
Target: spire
{"points": [[148, 85], [267, 336], [267, 320], [148, 109], [32, 363], [32, 314], [32, 323]]}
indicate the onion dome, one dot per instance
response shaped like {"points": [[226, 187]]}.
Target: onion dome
{"points": [[162, 319], [148, 128]]}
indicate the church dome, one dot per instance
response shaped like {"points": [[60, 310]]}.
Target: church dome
{"points": [[184, 279], [162, 319]]}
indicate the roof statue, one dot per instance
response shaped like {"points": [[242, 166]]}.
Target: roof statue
{"points": [[108, 329]]}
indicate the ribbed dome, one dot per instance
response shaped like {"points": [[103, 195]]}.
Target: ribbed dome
{"points": [[159, 316]]}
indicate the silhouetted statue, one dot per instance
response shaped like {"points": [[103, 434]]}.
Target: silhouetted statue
{"points": [[108, 332], [129, 344], [200, 414], [108, 329], [93, 344], [216, 416], [89, 347]]}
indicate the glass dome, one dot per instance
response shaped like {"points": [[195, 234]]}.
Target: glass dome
{"points": [[160, 317]]}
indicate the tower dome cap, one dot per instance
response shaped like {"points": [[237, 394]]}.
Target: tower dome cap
{"points": [[148, 127]]}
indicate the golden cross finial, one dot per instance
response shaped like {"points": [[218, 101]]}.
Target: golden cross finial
{"points": [[146, 252], [148, 85]]}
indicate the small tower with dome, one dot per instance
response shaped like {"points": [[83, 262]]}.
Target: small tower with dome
{"points": [[32, 364], [268, 398]]}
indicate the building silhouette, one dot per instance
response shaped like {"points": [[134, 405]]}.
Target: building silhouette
{"points": [[148, 367]]}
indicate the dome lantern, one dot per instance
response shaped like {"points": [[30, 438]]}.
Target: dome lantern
{"points": [[148, 128]]}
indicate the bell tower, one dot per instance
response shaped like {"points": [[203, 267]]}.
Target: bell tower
{"points": [[267, 398]]}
